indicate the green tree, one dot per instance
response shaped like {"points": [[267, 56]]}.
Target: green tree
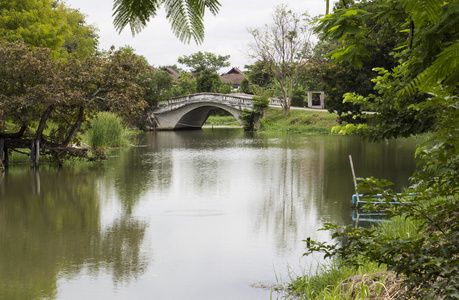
{"points": [[283, 46], [422, 89], [341, 75], [159, 86], [259, 74], [210, 82], [425, 56], [185, 85], [131, 51], [199, 61], [47, 24], [245, 86], [38, 93]]}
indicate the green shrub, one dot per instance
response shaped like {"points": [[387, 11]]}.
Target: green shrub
{"points": [[107, 130], [326, 282]]}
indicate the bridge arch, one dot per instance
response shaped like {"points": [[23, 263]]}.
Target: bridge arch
{"points": [[196, 114], [191, 111]]}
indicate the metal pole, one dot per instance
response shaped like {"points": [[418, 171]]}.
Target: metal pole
{"points": [[353, 176]]}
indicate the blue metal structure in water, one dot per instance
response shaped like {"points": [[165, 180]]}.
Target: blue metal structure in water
{"points": [[363, 200]]}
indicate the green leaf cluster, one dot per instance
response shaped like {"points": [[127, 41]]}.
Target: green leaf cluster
{"points": [[48, 24], [200, 61], [158, 85], [209, 82], [38, 93], [186, 17], [419, 95]]}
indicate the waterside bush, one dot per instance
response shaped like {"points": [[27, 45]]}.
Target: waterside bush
{"points": [[336, 280], [106, 131]]}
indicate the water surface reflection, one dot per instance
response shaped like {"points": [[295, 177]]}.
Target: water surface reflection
{"points": [[184, 215]]}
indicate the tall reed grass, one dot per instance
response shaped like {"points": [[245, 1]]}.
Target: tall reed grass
{"points": [[107, 130]]}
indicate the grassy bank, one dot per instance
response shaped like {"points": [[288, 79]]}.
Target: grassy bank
{"points": [[370, 281], [298, 121], [222, 121]]}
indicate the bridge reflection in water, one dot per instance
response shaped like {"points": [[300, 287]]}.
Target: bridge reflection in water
{"points": [[192, 111]]}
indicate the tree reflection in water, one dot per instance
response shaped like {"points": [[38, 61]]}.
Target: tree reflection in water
{"points": [[47, 233]]}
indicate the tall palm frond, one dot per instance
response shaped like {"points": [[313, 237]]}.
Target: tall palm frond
{"points": [[442, 17], [186, 16], [135, 13], [419, 9]]}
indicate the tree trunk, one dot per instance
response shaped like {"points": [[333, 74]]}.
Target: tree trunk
{"points": [[42, 124], [76, 127], [286, 109]]}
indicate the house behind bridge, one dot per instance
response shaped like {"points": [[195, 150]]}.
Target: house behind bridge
{"points": [[235, 76]]}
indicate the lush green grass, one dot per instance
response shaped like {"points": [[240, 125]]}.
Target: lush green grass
{"points": [[222, 121], [325, 282], [300, 121], [106, 131]]}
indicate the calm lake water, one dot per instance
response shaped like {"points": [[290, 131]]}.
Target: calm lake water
{"points": [[184, 215]]}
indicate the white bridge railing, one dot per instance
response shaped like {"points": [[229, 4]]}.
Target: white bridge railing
{"points": [[230, 99]]}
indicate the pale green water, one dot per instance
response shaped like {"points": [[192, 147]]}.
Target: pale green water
{"points": [[187, 215]]}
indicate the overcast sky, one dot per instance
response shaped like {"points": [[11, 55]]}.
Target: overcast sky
{"points": [[225, 34]]}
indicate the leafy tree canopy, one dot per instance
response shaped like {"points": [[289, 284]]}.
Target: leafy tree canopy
{"points": [[185, 85], [210, 82], [283, 46], [259, 74], [200, 61], [47, 23], [49, 100], [131, 51], [424, 48], [420, 94], [159, 86]]}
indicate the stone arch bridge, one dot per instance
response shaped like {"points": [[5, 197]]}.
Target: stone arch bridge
{"points": [[192, 111]]}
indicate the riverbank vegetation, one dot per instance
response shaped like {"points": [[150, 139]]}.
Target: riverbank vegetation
{"points": [[107, 130], [399, 59], [336, 279], [298, 121], [418, 94], [274, 120]]}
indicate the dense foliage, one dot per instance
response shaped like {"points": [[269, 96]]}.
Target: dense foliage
{"points": [[209, 82], [158, 84], [200, 61], [420, 94], [49, 100], [49, 24]]}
